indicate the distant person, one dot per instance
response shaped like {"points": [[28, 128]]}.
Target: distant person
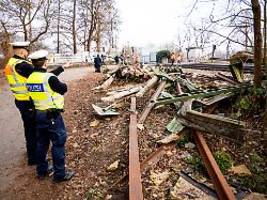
{"points": [[172, 57], [122, 59], [97, 62], [117, 59], [103, 59]]}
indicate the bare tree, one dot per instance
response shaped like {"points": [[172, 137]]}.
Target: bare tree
{"points": [[257, 42], [74, 34], [265, 36], [100, 20], [31, 18], [89, 21], [5, 48], [236, 22]]}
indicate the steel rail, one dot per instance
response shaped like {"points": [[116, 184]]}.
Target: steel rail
{"points": [[135, 182], [222, 188]]}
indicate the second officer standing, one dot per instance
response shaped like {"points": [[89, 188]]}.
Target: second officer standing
{"points": [[47, 92]]}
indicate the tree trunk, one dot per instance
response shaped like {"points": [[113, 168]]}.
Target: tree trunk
{"points": [[92, 25], [25, 31], [29, 19], [112, 34], [257, 42], [58, 26], [98, 37], [264, 38], [74, 34], [265, 72], [85, 30], [90, 36]]}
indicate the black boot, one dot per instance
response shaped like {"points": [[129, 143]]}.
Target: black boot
{"points": [[32, 162], [50, 170], [67, 177]]}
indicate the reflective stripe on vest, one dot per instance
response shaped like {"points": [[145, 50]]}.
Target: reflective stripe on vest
{"points": [[17, 82], [43, 96]]}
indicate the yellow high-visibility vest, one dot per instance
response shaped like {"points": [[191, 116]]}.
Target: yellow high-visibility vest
{"points": [[44, 98], [17, 82]]}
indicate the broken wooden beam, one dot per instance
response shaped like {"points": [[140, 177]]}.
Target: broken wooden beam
{"points": [[119, 95], [178, 88], [235, 135], [214, 124], [151, 102], [215, 119], [149, 84], [222, 188], [135, 182], [225, 78], [106, 84]]}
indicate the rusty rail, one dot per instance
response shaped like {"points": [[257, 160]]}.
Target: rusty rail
{"points": [[135, 183], [151, 102], [222, 188]]}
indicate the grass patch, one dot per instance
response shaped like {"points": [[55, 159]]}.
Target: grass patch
{"points": [[223, 160]]}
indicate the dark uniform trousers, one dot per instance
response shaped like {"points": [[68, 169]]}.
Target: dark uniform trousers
{"points": [[50, 127], [97, 68], [27, 113]]}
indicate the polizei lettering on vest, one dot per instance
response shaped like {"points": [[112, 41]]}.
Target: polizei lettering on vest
{"points": [[35, 87]]}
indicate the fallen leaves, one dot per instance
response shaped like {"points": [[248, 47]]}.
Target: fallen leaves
{"points": [[75, 145], [140, 127], [113, 166], [241, 170], [95, 123], [169, 138], [158, 178]]}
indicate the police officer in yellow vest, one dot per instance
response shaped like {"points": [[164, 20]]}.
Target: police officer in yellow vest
{"points": [[17, 71], [47, 92]]}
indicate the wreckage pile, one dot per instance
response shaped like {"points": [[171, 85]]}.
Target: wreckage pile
{"points": [[186, 106]]}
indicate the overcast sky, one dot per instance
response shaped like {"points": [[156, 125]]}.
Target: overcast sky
{"points": [[150, 21], [158, 22]]}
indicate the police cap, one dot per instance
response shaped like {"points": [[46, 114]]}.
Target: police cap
{"points": [[39, 55], [24, 45]]}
